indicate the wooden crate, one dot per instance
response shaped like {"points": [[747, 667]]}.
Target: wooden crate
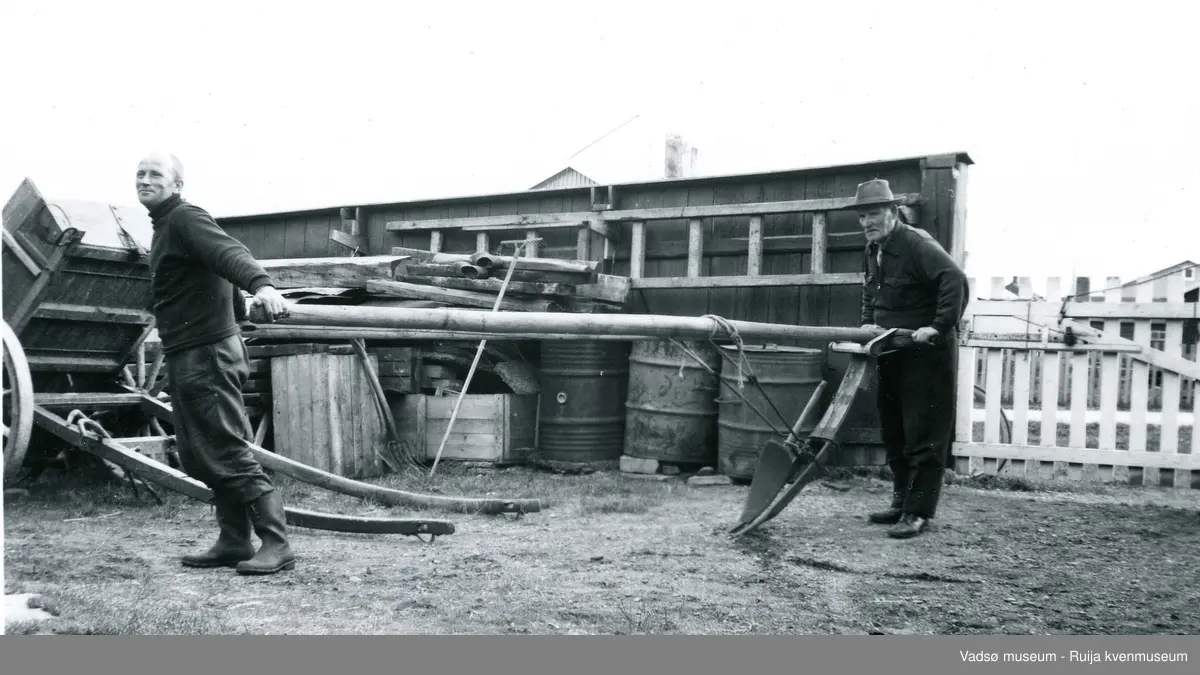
{"points": [[499, 428], [398, 368], [325, 413]]}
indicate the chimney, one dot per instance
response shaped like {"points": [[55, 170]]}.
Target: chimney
{"points": [[673, 167]]}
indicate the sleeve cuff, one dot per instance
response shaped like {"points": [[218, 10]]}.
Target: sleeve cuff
{"points": [[258, 284]]}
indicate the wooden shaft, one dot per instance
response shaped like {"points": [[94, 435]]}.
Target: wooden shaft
{"points": [[300, 332], [554, 322]]}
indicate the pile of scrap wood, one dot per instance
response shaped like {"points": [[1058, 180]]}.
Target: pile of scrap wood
{"points": [[432, 362], [534, 284], [416, 278]]}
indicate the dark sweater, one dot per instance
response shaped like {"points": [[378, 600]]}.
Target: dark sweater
{"points": [[917, 285], [196, 270]]}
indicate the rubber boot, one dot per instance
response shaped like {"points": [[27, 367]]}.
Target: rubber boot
{"points": [[266, 513], [233, 543]]}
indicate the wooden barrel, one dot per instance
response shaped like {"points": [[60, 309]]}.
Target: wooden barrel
{"points": [[671, 408], [789, 376], [583, 386]]}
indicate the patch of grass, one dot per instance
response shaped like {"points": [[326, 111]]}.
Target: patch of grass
{"points": [[994, 482], [614, 504]]}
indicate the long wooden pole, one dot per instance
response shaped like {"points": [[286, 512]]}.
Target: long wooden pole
{"points": [[459, 320], [273, 332]]}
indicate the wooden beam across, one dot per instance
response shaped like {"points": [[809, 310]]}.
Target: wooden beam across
{"points": [[1034, 345], [87, 400], [739, 246], [69, 312], [401, 289], [330, 272], [567, 219], [1105, 457], [76, 364], [1121, 311], [1153, 357], [747, 281], [607, 288]]}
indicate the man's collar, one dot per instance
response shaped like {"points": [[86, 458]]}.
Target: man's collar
{"points": [[891, 238], [166, 205]]}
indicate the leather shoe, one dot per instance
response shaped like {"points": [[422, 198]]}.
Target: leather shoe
{"points": [[910, 525], [888, 517]]}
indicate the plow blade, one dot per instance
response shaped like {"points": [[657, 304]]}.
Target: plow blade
{"points": [[809, 470], [780, 462], [776, 464]]}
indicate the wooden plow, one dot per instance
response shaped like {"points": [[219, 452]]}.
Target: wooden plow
{"points": [[76, 285], [802, 462], [782, 462]]}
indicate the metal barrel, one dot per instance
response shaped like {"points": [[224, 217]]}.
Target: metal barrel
{"points": [[671, 409], [789, 376], [584, 384]]}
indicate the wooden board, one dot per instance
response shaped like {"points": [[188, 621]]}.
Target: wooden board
{"points": [[497, 428], [607, 288], [343, 272], [452, 296]]}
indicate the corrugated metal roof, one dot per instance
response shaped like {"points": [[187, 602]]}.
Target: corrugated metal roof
{"points": [[568, 177]]}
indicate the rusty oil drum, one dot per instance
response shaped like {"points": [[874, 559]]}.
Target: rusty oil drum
{"points": [[671, 410], [584, 384], [789, 376]]}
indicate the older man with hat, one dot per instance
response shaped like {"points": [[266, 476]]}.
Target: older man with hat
{"points": [[196, 270], [912, 283]]}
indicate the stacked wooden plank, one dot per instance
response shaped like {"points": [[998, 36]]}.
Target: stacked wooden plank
{"points": [[469, 281], [533, 284], [412, 362]]}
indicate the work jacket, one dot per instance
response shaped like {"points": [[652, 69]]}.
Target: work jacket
{"points": [[911, 282]]}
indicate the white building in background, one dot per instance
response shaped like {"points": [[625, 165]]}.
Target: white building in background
{"points": [[1186, 269], [643, 149]]}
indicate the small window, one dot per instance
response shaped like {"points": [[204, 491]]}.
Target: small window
{"points": [[1189, 273]]}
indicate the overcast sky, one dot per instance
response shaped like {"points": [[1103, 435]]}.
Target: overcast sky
{"points": [[1082, 117]]}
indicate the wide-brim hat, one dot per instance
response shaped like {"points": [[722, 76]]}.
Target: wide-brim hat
{"points": [[874, 192]]}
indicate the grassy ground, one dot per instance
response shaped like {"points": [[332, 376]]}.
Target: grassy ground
{"points": [[616, 555]]}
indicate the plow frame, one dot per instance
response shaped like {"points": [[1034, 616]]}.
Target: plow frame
{"points": [[786, 468]]}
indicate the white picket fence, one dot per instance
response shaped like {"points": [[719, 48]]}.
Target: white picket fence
{"points": [[1119, 406]]}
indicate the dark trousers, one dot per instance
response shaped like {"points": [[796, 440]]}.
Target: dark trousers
{"points": [[212, 431], [916, 400]]}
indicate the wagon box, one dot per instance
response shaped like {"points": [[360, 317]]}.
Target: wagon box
{"points": [[76, 281]]}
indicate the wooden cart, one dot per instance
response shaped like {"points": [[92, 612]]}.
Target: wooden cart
{"points": [[77, 375], [76, 288]]}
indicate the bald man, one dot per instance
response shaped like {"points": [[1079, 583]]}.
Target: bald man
{"points": [[196, 270]]}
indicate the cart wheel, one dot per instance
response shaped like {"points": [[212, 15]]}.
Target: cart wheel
{"points": [[18, 404]]}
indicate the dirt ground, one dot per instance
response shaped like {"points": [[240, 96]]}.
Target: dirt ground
{"points": [[617, 555]]}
